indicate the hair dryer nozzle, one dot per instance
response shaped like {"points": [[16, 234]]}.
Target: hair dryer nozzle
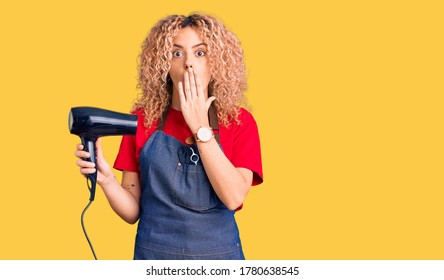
{"points": [[91, 123], [96, 122]]}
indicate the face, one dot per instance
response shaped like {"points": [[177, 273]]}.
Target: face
{"points": [[189, 50]]}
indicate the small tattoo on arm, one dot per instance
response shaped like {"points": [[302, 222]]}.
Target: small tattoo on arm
{"points": [[127, 186]]}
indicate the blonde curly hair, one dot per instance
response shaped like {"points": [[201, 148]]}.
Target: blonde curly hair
{"points": [[226, 59]]}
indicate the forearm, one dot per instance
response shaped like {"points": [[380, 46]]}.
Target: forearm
{"points": [[231, 184], [121, 200]]}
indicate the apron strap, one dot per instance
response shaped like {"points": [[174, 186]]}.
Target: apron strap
{"points": [[161, 122], [212, 116], [214, 124]]}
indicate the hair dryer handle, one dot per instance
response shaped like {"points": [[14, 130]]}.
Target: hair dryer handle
{"points": [[89, 145]]}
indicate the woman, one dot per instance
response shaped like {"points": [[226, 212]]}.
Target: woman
{"points": [[196, 153]]}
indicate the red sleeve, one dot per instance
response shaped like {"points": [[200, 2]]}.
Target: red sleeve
{"points": [[126, 158], [246, 147]]}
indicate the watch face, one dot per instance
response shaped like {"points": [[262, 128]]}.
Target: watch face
{"points": [[204, 134]]}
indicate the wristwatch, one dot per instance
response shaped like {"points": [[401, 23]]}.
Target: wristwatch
{"points": [[204, 134]]}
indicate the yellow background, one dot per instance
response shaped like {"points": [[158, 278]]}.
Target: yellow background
{"points": [[348, 96]]}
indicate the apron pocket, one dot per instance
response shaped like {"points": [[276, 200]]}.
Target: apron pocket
{"points": [[192, 188]]}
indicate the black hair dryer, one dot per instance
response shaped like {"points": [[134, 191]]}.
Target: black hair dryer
{"points": [[91, 123]]}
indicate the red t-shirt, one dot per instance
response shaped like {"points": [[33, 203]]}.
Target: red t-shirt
{"points": [[240, 143]]}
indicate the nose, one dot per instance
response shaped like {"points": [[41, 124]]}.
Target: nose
{"points": [[188, 62]]}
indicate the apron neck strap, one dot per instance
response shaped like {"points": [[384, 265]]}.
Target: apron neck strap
{"points": [[212, 116], [214, 124], [161, 122]]}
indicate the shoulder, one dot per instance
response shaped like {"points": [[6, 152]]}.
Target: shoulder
{"points": [[139, 112], [141, 125], [245, 115], [245, 123], [143, 132], [246, 120]]}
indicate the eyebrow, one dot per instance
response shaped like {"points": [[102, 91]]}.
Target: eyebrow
{"points": [[200, 44]]}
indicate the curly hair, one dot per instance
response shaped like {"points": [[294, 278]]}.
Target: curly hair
{"points": [[226, 59]]}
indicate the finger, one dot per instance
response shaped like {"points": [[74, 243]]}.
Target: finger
{"points": [[82, 154], [198, 85], [85, 171], [209, 101], [192, 82], [85, 164], [181, 94], [187, 86]]}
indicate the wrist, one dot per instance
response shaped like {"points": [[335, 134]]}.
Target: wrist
{"points": [[195, 127], [108, 181], [203, 134]]}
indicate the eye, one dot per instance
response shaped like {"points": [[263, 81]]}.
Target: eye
{"points": [[177, 54], [200, 53]]}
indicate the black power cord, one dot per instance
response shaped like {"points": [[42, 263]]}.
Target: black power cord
{"points": [[83, 226]]}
